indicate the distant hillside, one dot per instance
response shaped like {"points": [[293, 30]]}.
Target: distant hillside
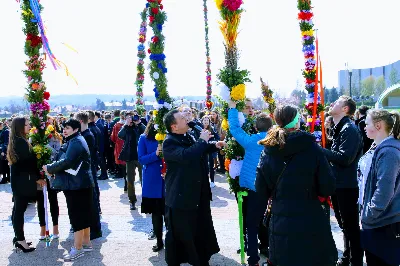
{"points": [[82, 99]]}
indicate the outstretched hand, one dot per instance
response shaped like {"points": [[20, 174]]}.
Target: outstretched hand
{"points": [[231, 104], [220, 144]]}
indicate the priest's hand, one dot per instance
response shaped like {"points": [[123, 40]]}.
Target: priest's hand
{"points": [[205, 135], [220, 144]]}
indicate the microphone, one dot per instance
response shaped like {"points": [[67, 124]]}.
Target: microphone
{"points": [[193, 125]]}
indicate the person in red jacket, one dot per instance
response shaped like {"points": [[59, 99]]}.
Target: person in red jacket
{"points": [[119, 143]]}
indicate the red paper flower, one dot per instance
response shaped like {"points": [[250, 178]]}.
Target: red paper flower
{"points": [[232, 5], [34, 39], [50, 136], [149, 51], [155, 39], [305, 16], [159, 1], [154, 10], [209, 105], [46, 95], [161, 7], [151, 18]]}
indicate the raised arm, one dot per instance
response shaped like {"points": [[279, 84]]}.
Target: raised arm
{"points": [[237, 132]]}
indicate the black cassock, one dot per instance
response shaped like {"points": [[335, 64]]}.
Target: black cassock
{"points": [[190, 231]]}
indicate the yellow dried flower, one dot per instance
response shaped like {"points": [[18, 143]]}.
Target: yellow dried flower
{"points": [[238, 92], [225, 124]]}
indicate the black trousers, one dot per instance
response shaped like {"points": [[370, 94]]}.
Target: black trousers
{"points": [[221, 159], [17, 217], [54, 210], [211, 170], [5, 169], [345, 204], [109, 153], [254, 214], [102, 163], [157, 220], [373, 260]]}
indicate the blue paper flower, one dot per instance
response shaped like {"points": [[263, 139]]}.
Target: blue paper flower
{"points": [[147, 5], [159, 27], [161, 101], [140, 47], [157, 57]]}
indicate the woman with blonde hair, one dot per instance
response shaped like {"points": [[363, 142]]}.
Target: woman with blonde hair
{"points": [[292, 173], [380, 200], [25, 176]]}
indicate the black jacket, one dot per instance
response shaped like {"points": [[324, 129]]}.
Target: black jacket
{"points": [[90, 141], [102, 134], [186, 162], [130, 135], [345, 153], [70, 156], [96, 133], [298, 224], [24, 172], [367, 142], [4, 137]]}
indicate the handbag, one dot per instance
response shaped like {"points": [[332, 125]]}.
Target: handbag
{"points": [[268, 213]]}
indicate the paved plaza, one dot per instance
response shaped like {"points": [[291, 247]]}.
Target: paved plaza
{"points": [[125, 232]]}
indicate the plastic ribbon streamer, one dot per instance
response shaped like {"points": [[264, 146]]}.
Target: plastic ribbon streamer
{"points": [[240, 196], [35, 7], [46, 217], [209, 103]]}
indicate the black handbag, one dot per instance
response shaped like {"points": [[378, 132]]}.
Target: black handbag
{"points": [[268, 213]]}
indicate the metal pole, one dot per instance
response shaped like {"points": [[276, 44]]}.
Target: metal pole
{"points": [[350, 73]]}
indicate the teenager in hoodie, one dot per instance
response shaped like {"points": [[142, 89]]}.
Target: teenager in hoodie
{"points": [[381, 201]]}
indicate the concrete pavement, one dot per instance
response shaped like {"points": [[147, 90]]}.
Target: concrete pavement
{"points": [[125, 232]]}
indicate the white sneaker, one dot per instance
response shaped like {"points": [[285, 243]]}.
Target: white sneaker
{"points": [[56, 236], [74, 254], [87, 248], [212, 184]]}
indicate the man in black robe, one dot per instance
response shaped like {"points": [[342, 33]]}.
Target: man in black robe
{"points": [[190, 231]]}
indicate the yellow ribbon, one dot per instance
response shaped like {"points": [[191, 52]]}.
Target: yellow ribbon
{"points": [[64, 66], [70, 47]]}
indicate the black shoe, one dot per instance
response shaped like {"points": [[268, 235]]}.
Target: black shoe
{"points": [[343, 262], [132, 206], [245, 250], [264, 252], [152, 236], [18, 246], [95, 235], [4, 181], [158, 247]]}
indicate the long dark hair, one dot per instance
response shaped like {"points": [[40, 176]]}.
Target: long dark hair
{"points": [[17, 130], [150, 131], [283, 116]]}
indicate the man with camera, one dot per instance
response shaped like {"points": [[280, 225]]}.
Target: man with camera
{"points": [[130, 133]]}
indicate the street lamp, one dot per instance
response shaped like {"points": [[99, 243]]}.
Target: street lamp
{"points": [[350, 74]]}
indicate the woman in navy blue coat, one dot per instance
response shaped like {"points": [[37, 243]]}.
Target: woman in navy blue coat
{"points": [[153, 187]]}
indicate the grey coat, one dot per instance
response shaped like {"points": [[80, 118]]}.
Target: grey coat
{"points": [[382, 188]]}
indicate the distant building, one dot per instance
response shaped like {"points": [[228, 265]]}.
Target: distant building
{"points": [[391, 74]]}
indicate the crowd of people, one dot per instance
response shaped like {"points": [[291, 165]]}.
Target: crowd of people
{"points": [[292, 182]]}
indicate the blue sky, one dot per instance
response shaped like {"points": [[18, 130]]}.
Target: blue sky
{"points": [[361, 32]]}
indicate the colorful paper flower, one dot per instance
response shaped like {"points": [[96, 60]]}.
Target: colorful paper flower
{"points": [[225, 124], [238, 92]]}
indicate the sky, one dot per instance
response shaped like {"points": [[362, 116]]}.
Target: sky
{"points": [[360, 32]]}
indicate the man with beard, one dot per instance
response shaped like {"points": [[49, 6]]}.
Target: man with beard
{"points": [[190, 231]]}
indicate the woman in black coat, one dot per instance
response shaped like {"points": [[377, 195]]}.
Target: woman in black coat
{"points": [[73, 175], [25, 176], [294, 164]]}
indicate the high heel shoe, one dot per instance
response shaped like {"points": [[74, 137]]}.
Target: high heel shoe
{"points": [[18, 246], [15, 240]]}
